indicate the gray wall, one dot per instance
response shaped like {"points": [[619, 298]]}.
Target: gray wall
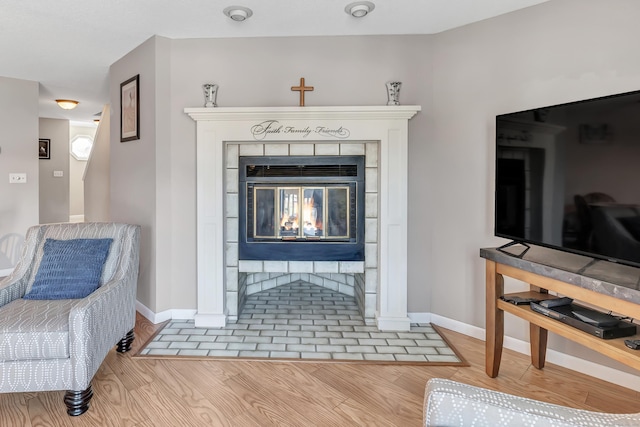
{"points": [[141, 169], [260, 72], [97, 180], [18, 153], [556, 52], [54, 191]]}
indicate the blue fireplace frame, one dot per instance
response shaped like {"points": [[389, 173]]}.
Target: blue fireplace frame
{"points": [[345, 171]]}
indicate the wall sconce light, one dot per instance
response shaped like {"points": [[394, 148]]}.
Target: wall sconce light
{"points": [[67, 104], [359, 9], [238, 13]]}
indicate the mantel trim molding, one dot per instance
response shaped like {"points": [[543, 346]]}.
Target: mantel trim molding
{"points": [[304, 113]]}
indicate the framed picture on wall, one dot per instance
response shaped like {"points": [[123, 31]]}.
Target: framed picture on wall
{"points": [[130, 109], [599, 133], [44, 148]]}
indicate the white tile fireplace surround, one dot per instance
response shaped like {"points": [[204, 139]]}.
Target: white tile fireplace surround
{"points": [[380, 133]]}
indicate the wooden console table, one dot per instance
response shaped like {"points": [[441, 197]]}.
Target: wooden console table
{"points": [[605, 285]]}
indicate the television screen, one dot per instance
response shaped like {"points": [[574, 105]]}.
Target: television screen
{"points": [[568, 177]]}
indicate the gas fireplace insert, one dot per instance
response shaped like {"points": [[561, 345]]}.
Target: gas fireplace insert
{"points": [[301, 208]]}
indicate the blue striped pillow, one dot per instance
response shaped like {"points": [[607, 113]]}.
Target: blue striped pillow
{"points": [[69, 269]]}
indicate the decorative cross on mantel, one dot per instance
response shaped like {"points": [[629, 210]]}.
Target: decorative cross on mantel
{"points": [[302, 89]]}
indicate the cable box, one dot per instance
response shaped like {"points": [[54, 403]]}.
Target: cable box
{"points": [[565, 314]]}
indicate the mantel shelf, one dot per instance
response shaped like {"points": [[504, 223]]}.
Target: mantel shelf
{"points": [[304, 113]]}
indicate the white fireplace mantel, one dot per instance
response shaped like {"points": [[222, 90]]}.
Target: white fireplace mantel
{"points": [[385, 125]]}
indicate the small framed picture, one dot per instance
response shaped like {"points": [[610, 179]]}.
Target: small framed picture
{"points": [[44, 148], [130, 109], [595, 134]]}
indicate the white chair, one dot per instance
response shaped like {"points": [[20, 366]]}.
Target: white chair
{"points": [[10, 247]]}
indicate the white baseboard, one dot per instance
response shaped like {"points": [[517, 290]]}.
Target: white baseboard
{"points": [[182, 314], [420, 317], [586, 367]]}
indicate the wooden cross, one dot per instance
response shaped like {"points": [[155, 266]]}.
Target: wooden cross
{"points": [[302, 89]]}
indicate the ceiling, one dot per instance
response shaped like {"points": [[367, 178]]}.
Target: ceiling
{"points": [[68, 45]]}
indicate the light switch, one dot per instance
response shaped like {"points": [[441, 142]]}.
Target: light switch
{"points": [[17, 178], [58, 174]]}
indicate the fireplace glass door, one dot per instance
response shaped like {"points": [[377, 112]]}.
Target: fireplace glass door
{"points": [[301, 208], [301, 212]]}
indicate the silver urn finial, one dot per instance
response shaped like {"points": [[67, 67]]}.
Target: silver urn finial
{"points": [[210, 94], [393, 93]]}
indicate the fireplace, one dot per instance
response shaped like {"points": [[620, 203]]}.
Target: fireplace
{"points": [[301, 208], [226, 135]]}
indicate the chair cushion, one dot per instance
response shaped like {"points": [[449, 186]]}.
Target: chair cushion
{"points": [[31, 330], [69, 268]]}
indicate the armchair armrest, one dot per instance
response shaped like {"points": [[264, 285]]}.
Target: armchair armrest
{"points": [[103, 318], [97, 323], [449, 403]]}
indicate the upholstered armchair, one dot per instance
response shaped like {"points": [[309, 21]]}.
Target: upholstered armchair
{"points": [[453, 404], [58, 342]]}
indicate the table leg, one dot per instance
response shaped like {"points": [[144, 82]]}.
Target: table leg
{"points": [[538, 338], [494, 320]]}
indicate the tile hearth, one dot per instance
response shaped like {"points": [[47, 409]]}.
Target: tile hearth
{"points": [[301, 321]]}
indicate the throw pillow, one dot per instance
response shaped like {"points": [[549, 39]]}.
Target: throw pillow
{"points": [[69, 269], [632, 224]]}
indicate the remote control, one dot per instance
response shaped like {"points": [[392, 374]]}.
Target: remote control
{"points": [[519, 300], [556, 302], [632, 344]]}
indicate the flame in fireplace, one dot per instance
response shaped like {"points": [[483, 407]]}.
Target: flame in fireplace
{"points": [[310, 217], [289, 222], [289, 218]]}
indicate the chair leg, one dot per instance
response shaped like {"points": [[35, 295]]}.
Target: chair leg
{"points": [[124, 344], [78, 401]]}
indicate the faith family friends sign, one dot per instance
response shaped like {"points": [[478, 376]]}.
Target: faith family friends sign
{"points": [[269, 128]]}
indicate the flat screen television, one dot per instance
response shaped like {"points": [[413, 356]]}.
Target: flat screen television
{"points": [[568, 177]]}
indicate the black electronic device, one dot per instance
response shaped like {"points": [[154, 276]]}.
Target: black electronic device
{"points": [[556, 302], [632, 344], [564, 174], [596, 318], [565, 314], [518, 300]]}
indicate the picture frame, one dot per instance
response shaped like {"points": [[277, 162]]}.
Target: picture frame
{"points": [[44, 148], [599, 133], [130, 109]]}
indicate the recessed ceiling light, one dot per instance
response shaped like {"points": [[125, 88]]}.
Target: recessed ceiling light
{"points": [[359, 9], [67, 104], [238, 13]]}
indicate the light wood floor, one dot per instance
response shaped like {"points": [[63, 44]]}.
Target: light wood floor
{"points": [[138, 392]]}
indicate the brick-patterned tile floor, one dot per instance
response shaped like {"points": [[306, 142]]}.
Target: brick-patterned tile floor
{"points": [[301, 321]]}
